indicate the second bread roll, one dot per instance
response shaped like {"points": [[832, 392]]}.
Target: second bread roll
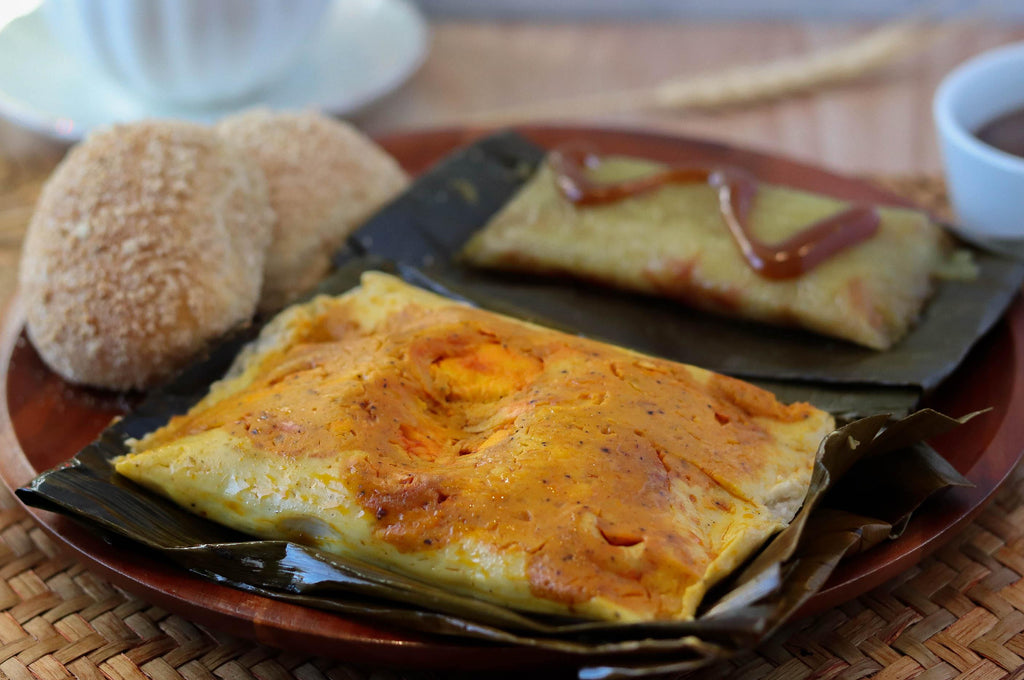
{"points": [[325, 178]]}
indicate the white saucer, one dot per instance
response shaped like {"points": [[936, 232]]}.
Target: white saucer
{"points": [[364, 50]]}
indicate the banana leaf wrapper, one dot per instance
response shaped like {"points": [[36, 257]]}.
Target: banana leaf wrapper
{"points": [[835, 521], [428, 226], [417, 237]]}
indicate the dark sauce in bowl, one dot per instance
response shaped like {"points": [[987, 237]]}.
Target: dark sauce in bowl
{"points": [[1005, 133]]}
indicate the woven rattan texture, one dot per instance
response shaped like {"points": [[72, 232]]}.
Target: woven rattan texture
{"points": [[959, 614]]}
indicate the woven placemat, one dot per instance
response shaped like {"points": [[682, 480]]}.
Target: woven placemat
{"points": [[958, 614]]}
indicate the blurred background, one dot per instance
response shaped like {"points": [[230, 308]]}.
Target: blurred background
{"points": [[844, 83], [712, 9]]}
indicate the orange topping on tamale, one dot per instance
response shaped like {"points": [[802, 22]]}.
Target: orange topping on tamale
{"points": [[461, 424]]}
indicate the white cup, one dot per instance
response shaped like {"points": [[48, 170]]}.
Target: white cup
{"points": [[986, 185], [190, 52]]}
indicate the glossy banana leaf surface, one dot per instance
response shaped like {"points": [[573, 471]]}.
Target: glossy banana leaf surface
{"points": [[873, 472]]}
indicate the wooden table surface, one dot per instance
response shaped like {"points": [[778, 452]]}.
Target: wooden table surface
{"points": [[881, 124]]}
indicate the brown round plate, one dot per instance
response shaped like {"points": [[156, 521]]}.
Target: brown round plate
{"points": [[44, 421]]}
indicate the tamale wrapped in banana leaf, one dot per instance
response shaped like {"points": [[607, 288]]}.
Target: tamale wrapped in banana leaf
{"points": [[672, 241], [505, 461], [737, 613], [417, 238]]}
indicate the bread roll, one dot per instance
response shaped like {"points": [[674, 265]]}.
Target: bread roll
{"points": [[147, 242], [325, 178]]}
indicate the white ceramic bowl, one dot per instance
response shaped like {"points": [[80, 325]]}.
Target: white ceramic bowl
{"points": [[986, 185], [186, 51]]}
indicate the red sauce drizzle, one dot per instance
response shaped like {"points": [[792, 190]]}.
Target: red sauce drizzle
{"points": [[737, 190]]}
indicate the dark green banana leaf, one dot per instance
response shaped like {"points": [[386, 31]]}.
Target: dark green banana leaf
{"points": [[415, 237]]}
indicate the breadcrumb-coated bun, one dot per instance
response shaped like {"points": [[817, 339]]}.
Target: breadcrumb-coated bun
{"points": [[325, 178], [148, 241]]}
